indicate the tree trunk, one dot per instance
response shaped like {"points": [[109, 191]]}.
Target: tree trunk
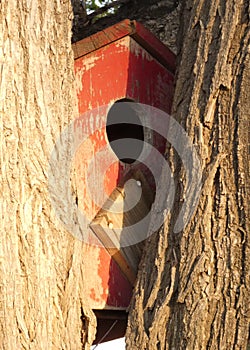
{"points": [[41, 273], [192, 290]]}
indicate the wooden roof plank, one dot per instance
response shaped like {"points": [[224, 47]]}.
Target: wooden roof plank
{"points": [[120, 30], [134, 29], [103, 38]]}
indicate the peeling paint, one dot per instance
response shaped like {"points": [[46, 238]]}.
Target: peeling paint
{"points": [[78, 80], [123, 43], [90, 61], [138, 51]]}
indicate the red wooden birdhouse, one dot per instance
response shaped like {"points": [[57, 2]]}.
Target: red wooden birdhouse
{"points": [[116, 69]]}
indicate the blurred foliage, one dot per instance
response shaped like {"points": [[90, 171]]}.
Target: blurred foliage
{"points": [[93, 5]]}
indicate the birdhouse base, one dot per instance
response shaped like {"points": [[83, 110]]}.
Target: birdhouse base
{"points": [[110, 325]]}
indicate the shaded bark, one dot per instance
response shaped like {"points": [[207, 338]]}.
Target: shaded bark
{"points": [[160, 17], [42, 302], [192, 290]]}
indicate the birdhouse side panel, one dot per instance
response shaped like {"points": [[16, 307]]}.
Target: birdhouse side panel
{"points": [[149, 81]]}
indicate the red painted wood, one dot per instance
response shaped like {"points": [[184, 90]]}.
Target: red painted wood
{"points": [[116, 290], [154, 46], [124, 61], [134, 29], [105, 73]]}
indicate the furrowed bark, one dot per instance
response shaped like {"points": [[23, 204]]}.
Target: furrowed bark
{"points": [[192, 290], [41, 272]]}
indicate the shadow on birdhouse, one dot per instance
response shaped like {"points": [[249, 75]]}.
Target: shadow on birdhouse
{"points": [[115, 70]]}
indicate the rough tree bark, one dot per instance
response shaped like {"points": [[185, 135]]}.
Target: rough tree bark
{"points": [[192, 290], [41, 273]]}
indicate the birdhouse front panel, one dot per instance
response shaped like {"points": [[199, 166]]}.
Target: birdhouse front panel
{"points": [[122, 63]]}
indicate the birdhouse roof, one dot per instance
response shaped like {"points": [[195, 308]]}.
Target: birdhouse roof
{"points": [[130, 28]]}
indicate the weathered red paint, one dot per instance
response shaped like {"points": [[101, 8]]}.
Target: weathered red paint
{"points": [[116, 291], [127, 28], [123, 61]]}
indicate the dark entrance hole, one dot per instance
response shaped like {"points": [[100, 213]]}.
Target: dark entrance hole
{"points": [[123, 123]]}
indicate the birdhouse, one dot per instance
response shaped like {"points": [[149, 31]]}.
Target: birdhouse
{"points": [[117, 70]]}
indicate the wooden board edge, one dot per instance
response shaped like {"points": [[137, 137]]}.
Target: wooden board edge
{"points": [[118, 31]]}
